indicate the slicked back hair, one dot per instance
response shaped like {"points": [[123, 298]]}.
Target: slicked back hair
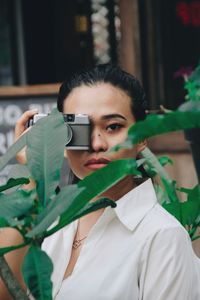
{"points": [[113, 75]]}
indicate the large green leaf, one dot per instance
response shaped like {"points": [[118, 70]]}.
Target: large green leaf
{"points": [[88, 208], [95, 184], [54, 209], [13, 150], [37, 269], [158, 124], [186, 212], [106, 177], [194, 194], [45, 150], [91, 186], [12, 182], [16, 204]]}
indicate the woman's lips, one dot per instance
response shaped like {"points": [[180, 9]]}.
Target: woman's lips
{"points": [[94, 164]]}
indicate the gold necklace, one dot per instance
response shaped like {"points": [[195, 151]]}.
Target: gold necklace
{"points": [[77, 242]]}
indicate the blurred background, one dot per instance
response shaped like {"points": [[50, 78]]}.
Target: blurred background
{"points": [[46, 41], [43, 42]]}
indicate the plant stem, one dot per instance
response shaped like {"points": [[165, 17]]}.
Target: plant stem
{"points": [[11, 282], [153, 162]]}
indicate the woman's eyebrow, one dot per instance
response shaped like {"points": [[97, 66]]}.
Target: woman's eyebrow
{"points": [[113, 116]]}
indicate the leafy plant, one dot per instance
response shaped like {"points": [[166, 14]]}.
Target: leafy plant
{"points": [[192, 85], [45, 209], [187, 116], [33, 212]]}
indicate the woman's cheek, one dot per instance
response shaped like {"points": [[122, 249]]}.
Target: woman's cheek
{"points": [[125, 153]]}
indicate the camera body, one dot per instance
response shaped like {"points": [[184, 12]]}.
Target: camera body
{"points": [[78, 126]]}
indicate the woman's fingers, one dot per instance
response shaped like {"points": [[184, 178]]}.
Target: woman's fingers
{"points": [[20, 126]]}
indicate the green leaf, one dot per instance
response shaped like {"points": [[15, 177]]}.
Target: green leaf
{"points": [[45, 153], [106, 177], [165, 160], [15, 222], [153, 163], [158, 124], [88, 208], [3, 223], [37, 269], [161, 194], [5, 250], [13, 150], [184, 190], [192, 85], [186, 212], [195, 238], [97, 183], [64, 200], [151, 169], [13, 182], [16, 204], [70, 203], [194, 194], [170, 187]]}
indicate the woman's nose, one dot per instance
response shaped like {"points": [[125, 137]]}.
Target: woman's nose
{"points": [[98, 142]]}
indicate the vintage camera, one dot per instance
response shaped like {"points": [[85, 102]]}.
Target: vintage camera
{"points": [[78, 130], [35, 118]]}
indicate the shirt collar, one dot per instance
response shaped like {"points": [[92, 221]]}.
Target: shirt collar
{"points": [[133, 206]]}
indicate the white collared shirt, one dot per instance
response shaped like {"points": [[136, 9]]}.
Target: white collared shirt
{"points": [[136, 251]]}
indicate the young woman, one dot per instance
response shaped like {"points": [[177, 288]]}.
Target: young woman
{"points": [[136, 251]]}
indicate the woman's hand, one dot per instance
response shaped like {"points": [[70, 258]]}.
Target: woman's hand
{"points": [[20, 128]]}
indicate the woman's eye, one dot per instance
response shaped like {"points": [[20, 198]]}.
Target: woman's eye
{"points": [[114, 127]]}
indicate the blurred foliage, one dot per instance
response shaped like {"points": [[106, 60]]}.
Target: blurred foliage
{"points": [[40, 212], [192, 85]]}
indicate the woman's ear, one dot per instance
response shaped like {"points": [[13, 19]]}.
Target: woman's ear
{"points": [[140, 146]]}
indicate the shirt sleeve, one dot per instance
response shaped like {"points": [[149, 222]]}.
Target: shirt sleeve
{"points": [[169, 268]]}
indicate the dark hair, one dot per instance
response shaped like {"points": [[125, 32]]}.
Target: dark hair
{"points": [[106, 73], [114, 75]]}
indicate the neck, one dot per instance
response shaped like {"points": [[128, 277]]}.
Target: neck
{"points": [[120, 189], [114, 193]]}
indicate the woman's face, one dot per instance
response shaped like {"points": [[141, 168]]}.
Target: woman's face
{"points": [[109, 109]]}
